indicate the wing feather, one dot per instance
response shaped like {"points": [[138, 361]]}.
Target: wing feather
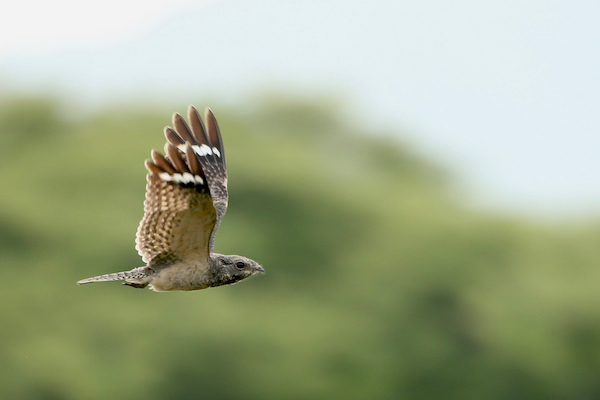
{"points": [[212, 158], [186, 195], [160, 162], [182, 129], [177, 222]]}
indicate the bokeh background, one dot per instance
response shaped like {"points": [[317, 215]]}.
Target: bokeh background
{"points": [[419, 179]]}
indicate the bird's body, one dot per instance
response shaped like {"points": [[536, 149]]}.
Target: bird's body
{"points": [[186, 199]]}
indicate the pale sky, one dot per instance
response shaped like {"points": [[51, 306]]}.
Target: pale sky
{"points": [[506, 93]]}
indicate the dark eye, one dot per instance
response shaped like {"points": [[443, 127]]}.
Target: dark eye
{"points": [[240, 265]]}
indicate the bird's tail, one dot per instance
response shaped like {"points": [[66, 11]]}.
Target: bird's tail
{"points": [[134, 274]]}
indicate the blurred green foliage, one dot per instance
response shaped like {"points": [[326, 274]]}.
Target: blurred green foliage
{"points": [[380, 284]]}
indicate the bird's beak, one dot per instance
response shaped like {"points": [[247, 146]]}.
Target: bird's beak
{"points": [[260, 269]]}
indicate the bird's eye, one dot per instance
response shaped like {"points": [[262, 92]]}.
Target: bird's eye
{"points": [[240, 265]]}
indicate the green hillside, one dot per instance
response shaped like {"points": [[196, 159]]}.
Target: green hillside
{"points": [[380, 284]]}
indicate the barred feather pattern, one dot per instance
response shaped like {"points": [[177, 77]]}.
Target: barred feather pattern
{"points": [[137, 273], [207, 147], [186, 195], [177, 223]]}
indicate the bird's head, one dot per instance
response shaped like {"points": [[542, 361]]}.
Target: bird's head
{"points": [[230, 269]]}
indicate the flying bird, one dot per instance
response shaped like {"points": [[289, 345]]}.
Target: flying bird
{"points": [[186, 199]]}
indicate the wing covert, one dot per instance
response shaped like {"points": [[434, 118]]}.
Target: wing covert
{"points": [[177, 223]]}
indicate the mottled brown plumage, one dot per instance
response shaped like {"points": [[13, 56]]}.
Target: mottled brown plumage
{"points": [[186, 199]]}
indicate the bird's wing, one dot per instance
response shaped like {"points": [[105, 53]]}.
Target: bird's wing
{"points": [[186, 195]]}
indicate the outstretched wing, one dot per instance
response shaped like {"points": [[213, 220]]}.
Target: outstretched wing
{"points": [[186, 195]]}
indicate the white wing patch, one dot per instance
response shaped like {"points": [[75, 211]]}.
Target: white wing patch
{"points": [[204, 150], [165, 177], [188, 178], [182, 178]]}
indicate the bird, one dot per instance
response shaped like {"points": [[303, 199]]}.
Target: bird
{"points": [[186, 199]]}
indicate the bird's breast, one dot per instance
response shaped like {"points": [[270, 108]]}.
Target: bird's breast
{"points": [[181, 276]]}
